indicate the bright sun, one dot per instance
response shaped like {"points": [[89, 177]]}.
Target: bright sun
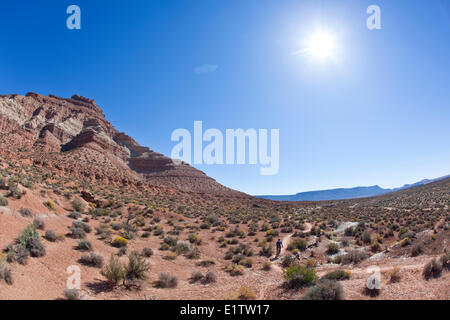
{"points": [[321, 45]]}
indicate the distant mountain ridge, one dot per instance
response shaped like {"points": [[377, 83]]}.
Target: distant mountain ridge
{"points": [[347, 193]]}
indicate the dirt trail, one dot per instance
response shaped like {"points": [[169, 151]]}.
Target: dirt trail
{"points": [[286, 239], [390, 268]]}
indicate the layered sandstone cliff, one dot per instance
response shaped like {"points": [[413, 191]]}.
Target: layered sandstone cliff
{"points": [[74, 136]]}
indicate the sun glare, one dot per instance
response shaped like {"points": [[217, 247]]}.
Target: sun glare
{"points": [[321, 45]]}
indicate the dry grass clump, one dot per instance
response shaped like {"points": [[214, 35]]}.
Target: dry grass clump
{"points": [[337, 275], [267, 266], [92, 260], [432, 269], [5, 271], [394, 275], [114, 271], [234, 269], [165, 280], [325, 289]]}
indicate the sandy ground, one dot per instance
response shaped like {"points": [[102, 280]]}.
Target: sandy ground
{"points": [[45, 278]]}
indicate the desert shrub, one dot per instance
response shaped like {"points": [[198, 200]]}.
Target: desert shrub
{"points": [[103, 232], [299, 244], [234, 241], [14, 191], [196, 276], [39, 224], [445, 260], [247, 262], [182, 246], [166, 281], [366, 238], [267, 266], [332, 248], [147, 252], [298, 276], [72, 294], [77, 233], [287, 261], [266, 251], [81, 225], [164, 247], [120, 242], [432, 269], [375, 246], [416, 250], [92, 260], [50, 204], [349, 232], [170, 241], [137, 267], [3, 201], [394, 275], [234, 269], [25, 212], [210, 277], [345, 242], [77, 205], [194, 239], [84, 244], [17, 253], [171, 255], [311, 263], [229, 255], [205, 226], [75, 215], [128, 234], [193, 254], [245, 293], [27, 235], [354, 256], [114, 271], [116, 226], [36, 248], [272, 233], [51, 236], [325, 290], [337, 275], [405, 242], [145, 234], [158, 231], [238, 258], [5, 272], [122, 251], [207, 262]]}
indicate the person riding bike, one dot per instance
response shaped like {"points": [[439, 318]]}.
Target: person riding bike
{"points": [[279, 246]]}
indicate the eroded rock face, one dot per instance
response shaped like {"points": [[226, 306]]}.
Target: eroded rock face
{"points": [[73, 135]]}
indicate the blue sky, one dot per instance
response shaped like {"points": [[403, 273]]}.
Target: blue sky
{"points": [[378, 113]]}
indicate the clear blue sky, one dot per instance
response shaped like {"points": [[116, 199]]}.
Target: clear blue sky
{"points": [[377, 114]]}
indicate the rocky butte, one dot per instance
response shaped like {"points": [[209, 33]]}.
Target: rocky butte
{"points": [[72, 135]]}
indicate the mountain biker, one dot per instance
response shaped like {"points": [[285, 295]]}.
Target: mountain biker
{"points": [[279, 246]]}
